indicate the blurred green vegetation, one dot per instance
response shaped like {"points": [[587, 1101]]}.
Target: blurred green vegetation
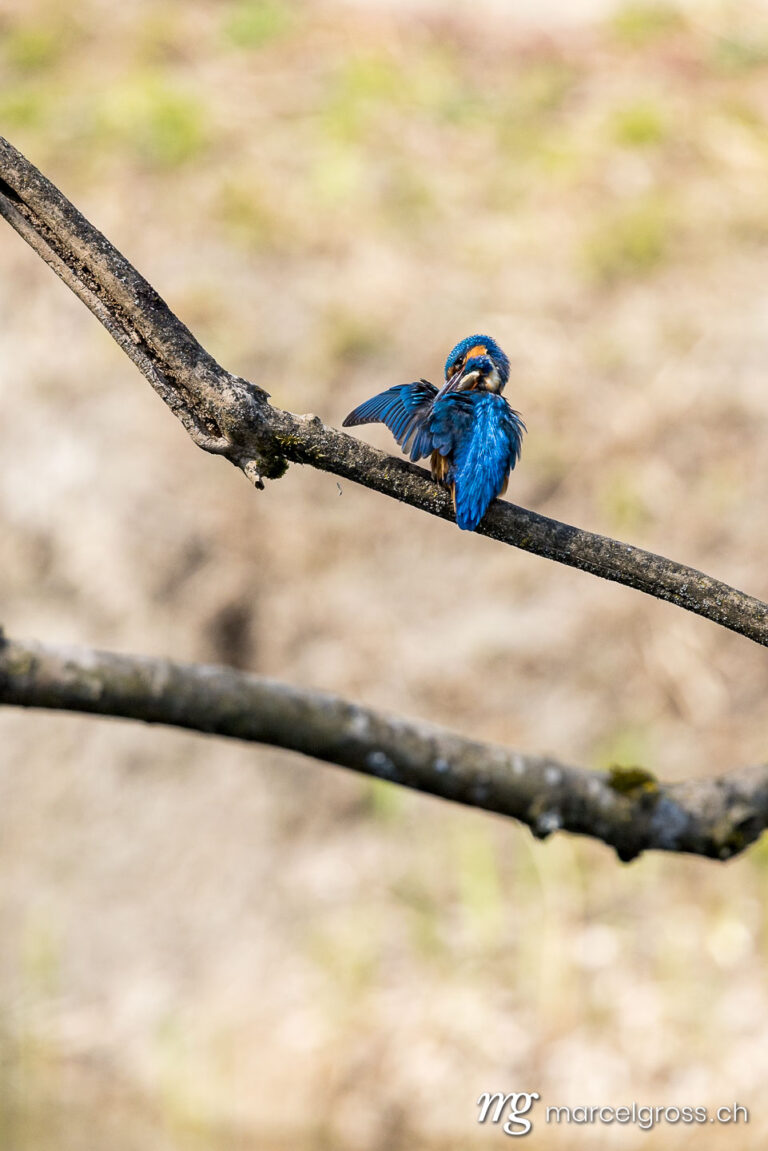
{"points": [[741, 51], [35, 48], [353, 339], [643, 22], [253, 23], [629, 240], [398, 132], [621, 502], [158, 122], [640, 124], [250, 216], [481, 891]]}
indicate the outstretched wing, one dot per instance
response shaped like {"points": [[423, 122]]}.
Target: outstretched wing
{"points": [[484, 455], [405, 409]]}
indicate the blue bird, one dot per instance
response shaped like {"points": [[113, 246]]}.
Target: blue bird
{"points": [[467, 427]]}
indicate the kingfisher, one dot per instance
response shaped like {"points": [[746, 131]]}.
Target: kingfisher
{"points": [[469, 431]]}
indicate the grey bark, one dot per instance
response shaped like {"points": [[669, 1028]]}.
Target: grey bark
{"points": [[627, 809]]}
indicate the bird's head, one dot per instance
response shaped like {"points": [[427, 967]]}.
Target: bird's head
{"points": [[476, 363]]}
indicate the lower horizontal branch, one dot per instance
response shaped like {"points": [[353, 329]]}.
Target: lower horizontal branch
{"points": [[628, 809]]}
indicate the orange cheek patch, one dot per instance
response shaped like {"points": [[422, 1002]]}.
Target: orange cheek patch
{"points": [[478, 350]]}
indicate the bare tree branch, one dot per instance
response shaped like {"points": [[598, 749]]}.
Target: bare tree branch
{"points": [[627, 809], [228, 415]]}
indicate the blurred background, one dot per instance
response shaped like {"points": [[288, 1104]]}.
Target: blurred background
{"points": [[206, 945]]}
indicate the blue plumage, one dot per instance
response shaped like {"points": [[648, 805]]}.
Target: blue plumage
{"points": [[403, 409], [483, 456], [473, 435]]}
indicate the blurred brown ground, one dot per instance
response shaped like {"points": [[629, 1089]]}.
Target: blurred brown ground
{"points": [[205, 945]]}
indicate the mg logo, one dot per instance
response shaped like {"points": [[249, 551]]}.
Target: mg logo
{"points": [[515, 1106]]}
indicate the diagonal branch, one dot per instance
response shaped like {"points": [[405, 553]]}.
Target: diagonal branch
{"points": [[230, 416], [626, 809]]}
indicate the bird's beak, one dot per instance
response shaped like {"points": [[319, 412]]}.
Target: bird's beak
{"points": [[450, 385], [459, 381]]}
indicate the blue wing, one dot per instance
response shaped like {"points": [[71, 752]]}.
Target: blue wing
{"points": [[405, 409], [483, 455], [450, 421]]}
